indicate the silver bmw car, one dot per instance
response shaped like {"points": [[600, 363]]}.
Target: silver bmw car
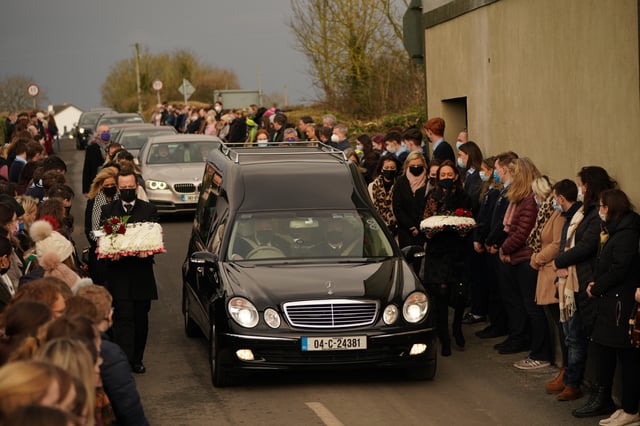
{"points": [[172, 169]]}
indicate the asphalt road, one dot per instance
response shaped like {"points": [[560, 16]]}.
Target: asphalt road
{"points": [[473, 387]]}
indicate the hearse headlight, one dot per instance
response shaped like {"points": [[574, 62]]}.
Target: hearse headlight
{"points": [[156, 184], [272, 318], [81, 130], [415, 307], [390, 314], [243, 312]]}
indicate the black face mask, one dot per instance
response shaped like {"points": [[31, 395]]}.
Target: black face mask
{"points": [[389, 174], [446, 184], [109, 191], [128, 195], [416, 170], [432, 181]]}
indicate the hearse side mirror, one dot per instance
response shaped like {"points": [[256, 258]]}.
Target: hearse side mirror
{"points": [[413, 252], [203, 258]]}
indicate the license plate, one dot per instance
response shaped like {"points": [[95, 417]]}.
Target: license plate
{"points": [[348, 343], [189, 197]]}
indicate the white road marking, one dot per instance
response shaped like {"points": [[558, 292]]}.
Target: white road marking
{"points": [[325, 415]]}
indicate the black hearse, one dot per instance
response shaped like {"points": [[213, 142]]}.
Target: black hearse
{"points": [[289, 266]]}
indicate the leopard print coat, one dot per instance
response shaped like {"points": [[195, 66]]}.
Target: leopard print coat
{"points": [[544, 213], [383, 202]]}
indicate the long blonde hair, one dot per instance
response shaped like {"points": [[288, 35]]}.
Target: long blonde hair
{"points": [[74, 356], [102, 175], [523, 172], [27, 382]]}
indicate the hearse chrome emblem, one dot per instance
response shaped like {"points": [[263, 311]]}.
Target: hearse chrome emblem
{"points": [[329, 285]]}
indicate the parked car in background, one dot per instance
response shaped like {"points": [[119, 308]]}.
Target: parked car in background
{"points": [[290, 267], [172, 169], [86, 125], [133, 136], [110, 119]]}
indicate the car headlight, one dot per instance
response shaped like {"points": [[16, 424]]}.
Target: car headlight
{"points": [[243, 312], [272, 318], [415, 307], [156, 184], [390, 314], [81, 130]]}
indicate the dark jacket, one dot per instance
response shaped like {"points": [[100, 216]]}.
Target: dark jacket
{"points": [[93, 160], [473, 186], [616, 280], [444, 152], [446, 251], [408, 209], [119, 385], [131, 277], [497, 234], [483, 218], [238, 130], [522, 222]]}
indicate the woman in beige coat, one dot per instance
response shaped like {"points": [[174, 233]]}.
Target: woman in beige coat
{"points": [[545, 242]]}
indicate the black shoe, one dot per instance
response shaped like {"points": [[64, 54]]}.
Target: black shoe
{"points": [[138, 368], [489, 333], [470, 318], [445, 350], [599, 404], [507, 341], [459, 338], [513, 348]]}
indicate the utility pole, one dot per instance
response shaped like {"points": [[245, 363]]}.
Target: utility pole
{"points": [[137, 48]]}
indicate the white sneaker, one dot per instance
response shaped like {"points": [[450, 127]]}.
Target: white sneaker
{"points": [[614, 416], [625, 419], [531, 364]]}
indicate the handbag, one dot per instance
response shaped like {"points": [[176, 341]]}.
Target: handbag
{"points": [[634, 326]]}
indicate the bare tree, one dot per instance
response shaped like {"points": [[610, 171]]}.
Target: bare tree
{"points": [[13, 93], [119, 88], [355, 53]]}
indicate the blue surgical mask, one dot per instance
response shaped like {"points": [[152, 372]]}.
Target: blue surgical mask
{"points": [[496, 177], [556, 206], [263, 142], [105, 136], [461, 163], [483, 176], [458, 144], [359, 147]]}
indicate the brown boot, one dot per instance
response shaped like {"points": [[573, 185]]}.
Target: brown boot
{"points": [[556, 385], [569, 393]]}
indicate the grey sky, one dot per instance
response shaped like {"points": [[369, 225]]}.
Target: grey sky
{"points": [[68, 46]]}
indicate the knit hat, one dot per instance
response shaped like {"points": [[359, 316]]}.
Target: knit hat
{"points": [[47, 240], [53, 267]]}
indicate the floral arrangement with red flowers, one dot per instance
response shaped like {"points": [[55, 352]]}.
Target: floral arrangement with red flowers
{"points": [[460, 220], [117, 238], [115, 225]]}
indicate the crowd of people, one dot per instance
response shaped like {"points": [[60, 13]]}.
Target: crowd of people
{"points": [[63, 358], [549, 261]]}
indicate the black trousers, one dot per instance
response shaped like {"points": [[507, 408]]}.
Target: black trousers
{"points": [[630, 364], [131, 327], [496, 310], [444, 298], [512, 299]]}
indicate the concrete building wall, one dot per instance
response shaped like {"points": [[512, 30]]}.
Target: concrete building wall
{"points": [[554, 80]]}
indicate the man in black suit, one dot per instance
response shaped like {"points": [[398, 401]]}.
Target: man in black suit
{"points": [[94, 157], [130, 279], [441, 149]]}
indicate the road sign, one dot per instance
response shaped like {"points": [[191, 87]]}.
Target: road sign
{"points": [[33, 90], [186, 88], [157, 85]]}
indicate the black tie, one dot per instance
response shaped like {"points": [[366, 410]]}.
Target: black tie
{"points": [[127, 207]]}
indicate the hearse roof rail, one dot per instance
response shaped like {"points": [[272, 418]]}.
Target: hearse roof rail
{"points": [[291, 148]]}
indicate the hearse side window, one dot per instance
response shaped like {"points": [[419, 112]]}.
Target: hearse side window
{"points": [[207, 202]]}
